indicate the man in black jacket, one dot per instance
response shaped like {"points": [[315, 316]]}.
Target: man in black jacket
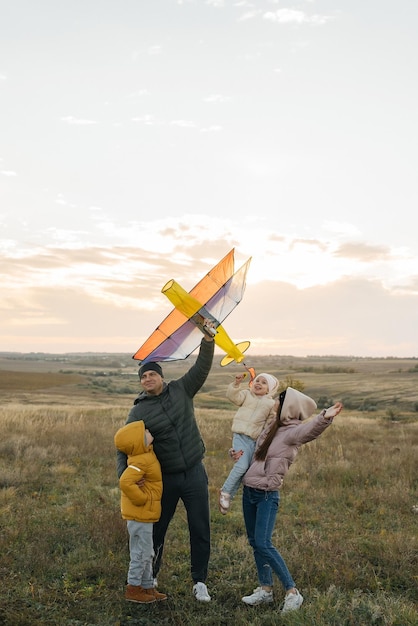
{"points": [[168, 413]]}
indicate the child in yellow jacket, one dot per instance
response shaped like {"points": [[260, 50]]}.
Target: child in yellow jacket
{"points": [[141, 488]]}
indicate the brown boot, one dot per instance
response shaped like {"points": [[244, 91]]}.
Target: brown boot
{"points": [[135, 593], [157, 595]]}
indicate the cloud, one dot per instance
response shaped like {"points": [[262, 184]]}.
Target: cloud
{"points": [[211, 129], [363, 252], [275, 316], [249, 15], [305, 294], [69, 119], [60, 199], [217, 98], [8, 173], [147, 119], [140, 93], [277, 253], [104, 271], [347, 317], [295, 16], [154, 50], [183, 123]]}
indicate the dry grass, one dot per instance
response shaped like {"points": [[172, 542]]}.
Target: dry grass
{"points": [[346, 525]]}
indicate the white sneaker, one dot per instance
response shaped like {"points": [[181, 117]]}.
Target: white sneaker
{"points": [[259, 596], [224, 502], [292, 602], [201, 592]]}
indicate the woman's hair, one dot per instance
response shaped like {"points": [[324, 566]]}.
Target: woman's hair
{"points": [[261, 452]]}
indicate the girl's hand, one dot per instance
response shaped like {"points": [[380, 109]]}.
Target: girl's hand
{"points": [[239, 378]]}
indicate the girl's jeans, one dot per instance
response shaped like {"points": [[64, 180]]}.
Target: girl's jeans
{"points": [[247, 445], [141, 553], [260, 510]]}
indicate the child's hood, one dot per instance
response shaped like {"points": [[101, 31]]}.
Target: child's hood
{"points": [[130, 439], [296, 406]]}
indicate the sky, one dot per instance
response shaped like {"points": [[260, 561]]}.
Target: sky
{"points": [[142, 140]]}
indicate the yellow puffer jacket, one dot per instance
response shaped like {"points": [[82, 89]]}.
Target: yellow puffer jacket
{"points": [[142, 504]]}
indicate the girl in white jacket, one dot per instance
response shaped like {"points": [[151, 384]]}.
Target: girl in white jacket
{"points": [[256, 409]]}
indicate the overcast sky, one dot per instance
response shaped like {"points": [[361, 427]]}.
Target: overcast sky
{"points": [[142, 140]]}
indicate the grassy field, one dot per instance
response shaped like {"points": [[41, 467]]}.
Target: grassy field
{"points": [[347, 525]]}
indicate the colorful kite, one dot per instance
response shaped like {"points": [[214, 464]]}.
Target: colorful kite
{"points": [[212, 299]]}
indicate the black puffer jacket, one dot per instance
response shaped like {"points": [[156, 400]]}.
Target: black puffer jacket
{"points": [[170, 417]]}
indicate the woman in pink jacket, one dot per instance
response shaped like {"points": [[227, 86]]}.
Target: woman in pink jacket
{"points": [[276, 450]]}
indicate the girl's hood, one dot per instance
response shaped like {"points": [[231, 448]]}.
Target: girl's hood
{"points": [[296, 406]]}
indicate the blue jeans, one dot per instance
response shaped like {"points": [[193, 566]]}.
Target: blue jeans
{"points": [[260, 511], [247, 445]]}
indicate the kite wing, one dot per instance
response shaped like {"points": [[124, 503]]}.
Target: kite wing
{"points": [[177, 336]]}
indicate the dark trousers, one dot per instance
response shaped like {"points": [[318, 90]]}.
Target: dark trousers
{"points": [[192, 488]]}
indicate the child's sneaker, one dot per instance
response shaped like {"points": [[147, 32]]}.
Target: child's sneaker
{"points": [[136, 593], [292, 602], [224, 502], [259, 596], [201, 592]]}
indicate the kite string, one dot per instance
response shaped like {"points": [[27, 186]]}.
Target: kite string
{"points": [[251, 372]]}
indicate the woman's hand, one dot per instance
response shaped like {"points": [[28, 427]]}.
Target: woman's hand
{"points": [[235, 454], [332, 411]]}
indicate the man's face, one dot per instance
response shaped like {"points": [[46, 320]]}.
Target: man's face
{"points": [[152, 382]]}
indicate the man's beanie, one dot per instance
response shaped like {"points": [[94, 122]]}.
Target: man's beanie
{"points": [[150, 366]]}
